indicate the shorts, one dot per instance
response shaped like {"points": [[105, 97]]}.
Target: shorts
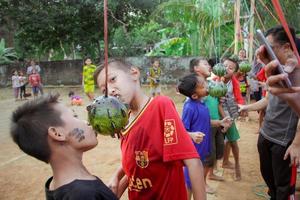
{"points": [[89, 88], [155, 89], [35, 89], [217, 147], [232, 133]]}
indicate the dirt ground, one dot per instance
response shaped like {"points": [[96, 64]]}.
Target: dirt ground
{"points": [[23, 177]]}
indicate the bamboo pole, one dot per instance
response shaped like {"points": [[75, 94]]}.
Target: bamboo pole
{"points": [[237, 27], [251, 34]]}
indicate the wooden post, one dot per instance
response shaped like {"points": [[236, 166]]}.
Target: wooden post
{"points": [[251, 34], [237, 26]]}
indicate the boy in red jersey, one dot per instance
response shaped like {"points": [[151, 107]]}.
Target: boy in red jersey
{"points": [[35, 81], [155, 145]]}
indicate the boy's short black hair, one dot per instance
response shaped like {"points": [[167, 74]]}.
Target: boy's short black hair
{"points": [[154, 59], [118, 63], [71, 93], [187, 85], [280, 35], [213, 61], [194, 62], [30, 123]]}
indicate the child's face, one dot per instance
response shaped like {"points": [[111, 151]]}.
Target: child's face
{"points": [[78, 134], [230, 68], [156, 64], [242, 54], [203, 69], [201, 89], [15, 73], [121, 84], [88, 61]]}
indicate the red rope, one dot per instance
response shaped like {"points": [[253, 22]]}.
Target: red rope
{"points": [[105, 47], [280, 14]]}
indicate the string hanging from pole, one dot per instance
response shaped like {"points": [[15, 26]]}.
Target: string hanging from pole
{"points": [[105, 47], [219, 21], [266, 7], [259, 18], [280, 14]]}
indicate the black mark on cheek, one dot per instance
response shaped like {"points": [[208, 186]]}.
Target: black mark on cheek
{"points": [[78, 134]]}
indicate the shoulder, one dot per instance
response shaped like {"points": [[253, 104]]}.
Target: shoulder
{"points": [[163, 100], [86, 189]]}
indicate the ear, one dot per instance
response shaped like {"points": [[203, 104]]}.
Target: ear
{"points": [[135, 72], [287, 47], [56, 134], [194, 96]]}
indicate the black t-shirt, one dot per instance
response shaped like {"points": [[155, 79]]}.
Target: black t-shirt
{"points": [[80, 189]]}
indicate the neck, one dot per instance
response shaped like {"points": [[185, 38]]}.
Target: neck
{"points": [[227, 79], [67, 168], [138, 103]]}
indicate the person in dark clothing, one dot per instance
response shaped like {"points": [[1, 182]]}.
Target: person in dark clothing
{"points": [[46, 129], [278, 146]]}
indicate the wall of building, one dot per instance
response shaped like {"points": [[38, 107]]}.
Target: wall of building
{"points": [[69, 72]]}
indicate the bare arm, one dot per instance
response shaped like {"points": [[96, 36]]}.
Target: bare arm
{"points": [[221, 111], [290, 95], [195, 169], [117, 182], [259, 105]]}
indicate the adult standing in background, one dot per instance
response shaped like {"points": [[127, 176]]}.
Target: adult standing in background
{"points": [[278, 142], [34, 67]]}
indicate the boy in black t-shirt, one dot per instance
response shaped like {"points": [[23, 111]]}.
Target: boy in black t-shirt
{"points": [[48, 131]]}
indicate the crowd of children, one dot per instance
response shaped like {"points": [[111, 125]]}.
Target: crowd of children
{"points": [[163, 156], [19, 82]]}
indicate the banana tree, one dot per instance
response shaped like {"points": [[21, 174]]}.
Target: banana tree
{"points": [[7, 55], [196, 21]]}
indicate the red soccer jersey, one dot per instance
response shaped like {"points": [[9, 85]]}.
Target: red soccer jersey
{"points": [[34, 79], [153, 147]]}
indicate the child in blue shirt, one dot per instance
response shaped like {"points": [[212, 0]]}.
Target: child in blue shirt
{"points": [[196, 118]]}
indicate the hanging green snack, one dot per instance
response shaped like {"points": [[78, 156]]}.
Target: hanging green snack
{"points": [[107, 115]]}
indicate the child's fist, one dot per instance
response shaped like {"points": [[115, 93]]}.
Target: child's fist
{"points": [[197, 137]]}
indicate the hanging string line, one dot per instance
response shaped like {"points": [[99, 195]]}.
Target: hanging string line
{"points": [[266, 7], [105, 47], [259, 18]]}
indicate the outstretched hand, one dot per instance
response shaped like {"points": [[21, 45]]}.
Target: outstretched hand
{"points": [[226, 124], [242, 108]]}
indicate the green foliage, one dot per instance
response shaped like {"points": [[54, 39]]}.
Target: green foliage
{"points": [[195, 21], [7, 55], [60, 29], [137, 41], [172, 47]]}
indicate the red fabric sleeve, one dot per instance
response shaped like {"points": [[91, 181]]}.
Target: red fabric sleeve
{"points": [[261, 75], [177, 144], [236, 91]]}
